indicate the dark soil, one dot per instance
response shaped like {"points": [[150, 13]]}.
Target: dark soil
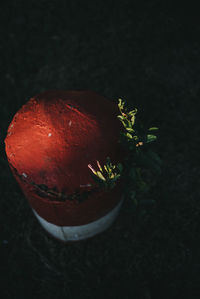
{"points": [[149, 55]]}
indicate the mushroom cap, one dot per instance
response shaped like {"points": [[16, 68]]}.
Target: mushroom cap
{"points": [[57, 133]]}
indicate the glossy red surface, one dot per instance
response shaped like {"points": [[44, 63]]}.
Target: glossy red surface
{"points": [[52, 139]]}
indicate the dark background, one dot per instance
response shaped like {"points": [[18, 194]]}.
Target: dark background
{"points": [[147, 53]]}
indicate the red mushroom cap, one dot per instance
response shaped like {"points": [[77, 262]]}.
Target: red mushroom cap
{"points": [[56, 134]]}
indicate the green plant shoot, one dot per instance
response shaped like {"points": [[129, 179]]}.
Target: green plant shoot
{"points": [[108, 175], [131, 132], [142, 164]]}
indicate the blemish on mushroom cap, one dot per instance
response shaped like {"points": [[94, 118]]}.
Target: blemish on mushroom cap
{"points": [[87, 185], [70, 123], [24, 174], [49, 135]]}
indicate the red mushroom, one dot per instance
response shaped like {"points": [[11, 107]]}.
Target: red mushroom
{"points": [[49, 144]]}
